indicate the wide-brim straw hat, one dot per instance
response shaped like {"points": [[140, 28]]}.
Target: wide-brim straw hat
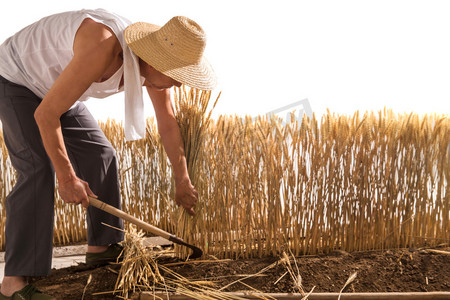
{"points": [[175, 49]]}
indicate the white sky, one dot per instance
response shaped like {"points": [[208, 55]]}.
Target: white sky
{"points": [[344, 55]]}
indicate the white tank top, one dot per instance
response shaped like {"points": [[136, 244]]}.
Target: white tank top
{"points": [[35, 56], [106, 88]]}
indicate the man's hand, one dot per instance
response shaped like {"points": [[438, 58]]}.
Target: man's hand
{"points": [[75, 191], [186, 195]]}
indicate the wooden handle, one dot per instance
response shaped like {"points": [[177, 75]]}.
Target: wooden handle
{"points": [[120, 214]]}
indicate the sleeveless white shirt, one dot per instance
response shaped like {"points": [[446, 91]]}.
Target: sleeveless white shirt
{"points": [[35, 56]]}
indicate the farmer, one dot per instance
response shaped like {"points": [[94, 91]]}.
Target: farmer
{"points": [[47, 70]]}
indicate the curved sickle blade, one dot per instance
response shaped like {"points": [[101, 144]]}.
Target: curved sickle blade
{"points": [[197, 252]]}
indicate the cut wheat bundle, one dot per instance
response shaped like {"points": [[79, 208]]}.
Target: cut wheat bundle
{"points": [[139, 270], [193, 118]]}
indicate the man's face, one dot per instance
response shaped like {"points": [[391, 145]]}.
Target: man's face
{"points": [[155, 79]]}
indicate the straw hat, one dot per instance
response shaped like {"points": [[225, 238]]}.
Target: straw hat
{"points": [[175, 49]]}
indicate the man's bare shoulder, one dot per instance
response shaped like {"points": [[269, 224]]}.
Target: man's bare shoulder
{"points": [[93, 35]]}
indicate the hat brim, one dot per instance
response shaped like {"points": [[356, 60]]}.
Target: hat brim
{"points": [[143, 42]]}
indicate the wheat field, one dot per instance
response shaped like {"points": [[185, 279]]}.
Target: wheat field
{"points": [[376, 180]]}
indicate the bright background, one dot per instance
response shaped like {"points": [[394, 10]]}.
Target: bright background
{"points": [[344, 55]]}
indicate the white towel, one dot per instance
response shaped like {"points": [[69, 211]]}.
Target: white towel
{"points": [[134, 102]]}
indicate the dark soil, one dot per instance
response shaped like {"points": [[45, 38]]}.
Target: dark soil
{"points": [[401, 270]]}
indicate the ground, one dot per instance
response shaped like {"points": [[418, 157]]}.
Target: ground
{"points": [[402, 270]]}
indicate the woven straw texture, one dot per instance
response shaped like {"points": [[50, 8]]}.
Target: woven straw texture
{"points": [[175, 49]]}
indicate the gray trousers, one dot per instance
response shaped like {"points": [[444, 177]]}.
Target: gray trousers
{"points": [[30, 205]]}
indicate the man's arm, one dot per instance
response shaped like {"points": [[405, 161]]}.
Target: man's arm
{"points": [[186, 195], [94, 49]]}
